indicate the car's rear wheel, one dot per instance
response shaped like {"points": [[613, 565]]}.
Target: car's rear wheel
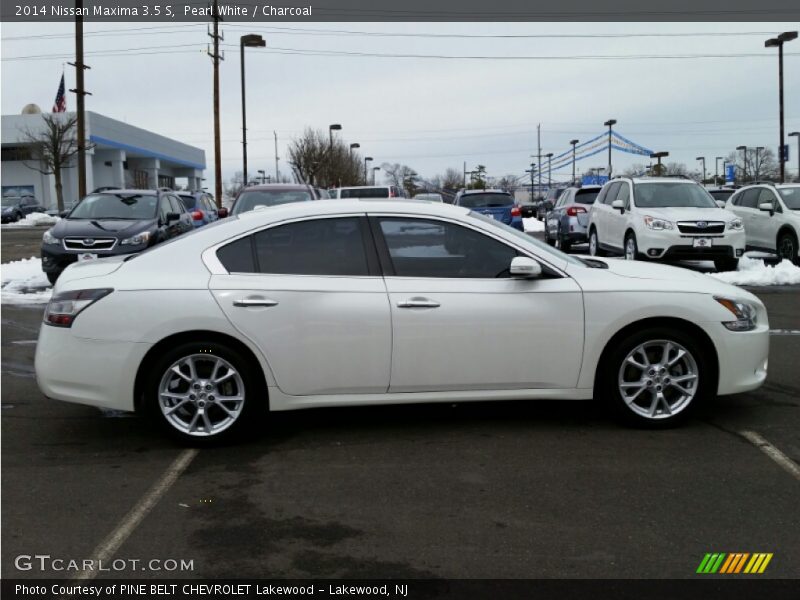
{"points": [[203, 392], [726, 264], [594, 244], [547, 237], [787, 247], [656, 377]]}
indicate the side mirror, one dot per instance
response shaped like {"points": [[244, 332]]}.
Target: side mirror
{"points": [[524, 267], [172, 217], [720, 203], [767, 207], [63, 213], [618, 205], [222, 213]]}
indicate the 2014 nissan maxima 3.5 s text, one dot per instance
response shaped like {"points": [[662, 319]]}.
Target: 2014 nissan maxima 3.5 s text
{"points": [[349, 302]]}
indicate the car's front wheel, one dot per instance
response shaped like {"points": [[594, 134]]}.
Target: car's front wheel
{"points": [[594, 244], [787, 247], [203, 392], [656, 377]]}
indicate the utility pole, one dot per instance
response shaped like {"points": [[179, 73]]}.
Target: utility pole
{"points": [[277, 173], [703, 160], [465, 174], [80, 92], [539, 154], [216, 57], [716, 171], [610, 123], [574, 143], [549, 171]]}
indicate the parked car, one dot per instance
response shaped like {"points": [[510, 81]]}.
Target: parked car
{"points": [[411, 302], [567, 222], [721, 194], [664, 218], [527, 207], [274, 194], [112, 223], [546, 203], [202, 208], [18, 207], [771, 215], [430, 197], [496, 204], [369, 191]]}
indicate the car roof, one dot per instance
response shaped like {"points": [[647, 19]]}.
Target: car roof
{"points": [[275, 186], [487, 191], [115, 192], [656, 180]]}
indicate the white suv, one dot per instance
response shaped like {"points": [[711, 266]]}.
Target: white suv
{"points": [[664, 218], [771, 215]]}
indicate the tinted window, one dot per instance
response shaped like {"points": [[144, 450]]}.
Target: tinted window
{"points": [[188, 202], [624, 194], [250, 199], [485, 200], [376, 192], [237, 257], [766, 196], [116, 206], [422, 248], [721, 194], [748, 198], [318, 247], [586, 196], [164, 208], [177, 206], [611, 193], [667, 194]]}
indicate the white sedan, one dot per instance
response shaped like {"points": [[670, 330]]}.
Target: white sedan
{"points": [[349, 303]]}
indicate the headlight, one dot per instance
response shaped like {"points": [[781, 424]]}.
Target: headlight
{"points": [[746, 314], [65, 306], [736, 225], [654, 223], [50, 239], [137, 240]]}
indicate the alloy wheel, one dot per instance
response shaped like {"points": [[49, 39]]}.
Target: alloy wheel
{"points": [[201, 395], [658, 379], [630, 249], [786, 249], [593, 244]]}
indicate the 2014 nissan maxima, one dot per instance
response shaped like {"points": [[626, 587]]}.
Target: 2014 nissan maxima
{"points": [[348, 303]]}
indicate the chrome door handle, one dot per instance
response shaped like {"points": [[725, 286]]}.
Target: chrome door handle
{"points": [[418, 303], [249, 302]]}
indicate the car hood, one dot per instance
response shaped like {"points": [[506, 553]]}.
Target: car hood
{"points": [[637, 275], [690, 214], [101, 228], [8, 208]]}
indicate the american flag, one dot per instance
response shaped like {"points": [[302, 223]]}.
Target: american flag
{"points": [[60, 104]]}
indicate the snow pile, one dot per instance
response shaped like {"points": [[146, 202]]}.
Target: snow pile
{"points": [[532, 225], [22, 282], [752, 271], [35, 219]]}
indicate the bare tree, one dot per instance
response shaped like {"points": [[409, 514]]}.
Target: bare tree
{"points": [[757, 166], [507, 183], [53, 149], [234, 185], [318, 162], [453, 179], [401, 176]]}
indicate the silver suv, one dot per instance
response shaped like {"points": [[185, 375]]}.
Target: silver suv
{"points": [[771, 215]]}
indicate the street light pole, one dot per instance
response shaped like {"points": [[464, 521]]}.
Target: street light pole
{"points": [[758, 161], [366, 160], [725, 171], [716, 170], [786, 36], [573, 142], [251, 40], [549, 171], [374, 170], [659, 156], [610, 123], [797, 135], [331, 129], [744, 161], [354, 145], [703, 158]]}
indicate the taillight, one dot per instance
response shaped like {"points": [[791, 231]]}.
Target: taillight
{"points": [[574, 211], [64, 307], [392, 194], [197, 215], [516, 212]]}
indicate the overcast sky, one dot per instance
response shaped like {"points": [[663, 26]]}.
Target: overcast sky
{"points": [[428, 113]]}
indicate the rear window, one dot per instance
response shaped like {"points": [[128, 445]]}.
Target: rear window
{"points": [[485, 200], [377, 192], [187, 201], [250, 200], [586, 196], [721, 194]]}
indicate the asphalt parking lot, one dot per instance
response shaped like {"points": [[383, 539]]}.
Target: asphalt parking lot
{"points": [[504, 490]]}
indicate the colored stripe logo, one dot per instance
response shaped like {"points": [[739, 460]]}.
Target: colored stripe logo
{"points": [[734, 563]]}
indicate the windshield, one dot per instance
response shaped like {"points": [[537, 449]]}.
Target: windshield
{"points": [[663, 195], [188, 201], [249, 200], [116, 206], [586, 196], [485, 200], [376, 192], [791, 197], [529, 239]]}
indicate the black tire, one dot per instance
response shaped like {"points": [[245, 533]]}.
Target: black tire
{"points": [[787, 247], [610, 371], [53, 277], [726, 264], [550, 241], [595, 245], [205, 354], [564, 245]]}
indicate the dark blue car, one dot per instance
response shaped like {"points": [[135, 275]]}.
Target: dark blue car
{"points": [[496, 204], [201, 206]]}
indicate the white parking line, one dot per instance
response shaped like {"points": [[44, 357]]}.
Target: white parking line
{"points": [[779, 457], [111, 544], [784, 331]]}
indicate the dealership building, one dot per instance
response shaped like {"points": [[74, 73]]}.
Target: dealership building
{"points": [[118, 155]]}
